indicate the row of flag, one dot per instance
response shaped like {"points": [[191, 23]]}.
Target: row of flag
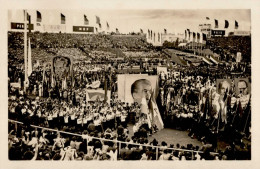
{"points": [[226, 23], [151, 35], [63, 19], [198, 37]]}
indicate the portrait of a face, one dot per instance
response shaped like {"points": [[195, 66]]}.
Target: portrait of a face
{"points": [[242, 86], [141, 88], [223, 86]]}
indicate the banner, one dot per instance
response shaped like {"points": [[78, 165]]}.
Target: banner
{"points": [[94, 85], [217, 32], [241, 33], [15, 25], [15, 85], [83, 29], [54, 28], [94, 95]]}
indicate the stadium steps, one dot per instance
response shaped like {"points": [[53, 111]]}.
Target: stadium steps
{"points": [[175, 58]]}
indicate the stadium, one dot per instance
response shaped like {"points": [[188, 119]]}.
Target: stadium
{"points": [[86, 91]]}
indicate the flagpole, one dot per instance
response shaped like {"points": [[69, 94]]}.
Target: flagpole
{"points": [[25, 51]]}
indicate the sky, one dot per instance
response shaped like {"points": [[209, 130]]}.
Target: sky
{"points": [[127, 20]]}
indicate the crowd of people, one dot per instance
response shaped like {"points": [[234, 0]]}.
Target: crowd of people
{"points": [[188, 99]]}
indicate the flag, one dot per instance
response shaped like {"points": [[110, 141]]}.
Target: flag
{"points": [[100, 25], [201, 37], [236, 25], [28, 17], [86, 22], [105, 88], [185, 35], [99, 94], [39, 16], [207, 18], [63, 20], [188, 30], [198, 37], [141, 30], [165, 31], [29, 59], [154, 36], [148, 34], [158, 37], [151, 34], [194, 36], [216, 23], [107, 25], [156, 115], [204, 36], [226, 24], [97, 20]]}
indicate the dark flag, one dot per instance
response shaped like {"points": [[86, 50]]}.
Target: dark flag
{"points": [[188, 30], [141, 30], [185, 35], [207, 18], [198, 37], [154, 36], [216, 23], [39, 16], [151, 34], [107, 25], [63, 20], [236, 25], [194, 36], [97, 20], [86, 22], [204, 36], [28, 17], [165, 31], [100, 25], [158, 37], [226, 24], [105, 88]]}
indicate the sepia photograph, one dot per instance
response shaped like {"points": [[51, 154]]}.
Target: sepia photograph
{"points": [[128, 85]]}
